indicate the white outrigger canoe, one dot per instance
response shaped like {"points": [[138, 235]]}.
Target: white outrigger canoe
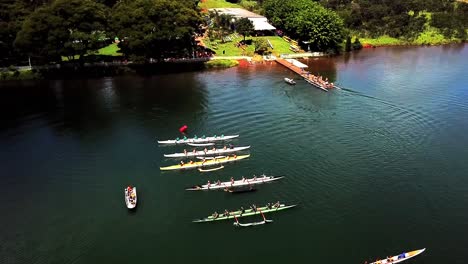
{"points": [[236, 184], [399, 258], [209, 162], [130, 197], [197, 140], [207, 153]]}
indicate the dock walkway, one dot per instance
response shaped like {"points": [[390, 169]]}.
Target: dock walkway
{"points": [[298, 67]]}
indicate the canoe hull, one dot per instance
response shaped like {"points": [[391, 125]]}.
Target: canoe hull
{"points": [[248, 212], [197, 140], [208, 153], [400, 258], [236, 184], [203, 164]]}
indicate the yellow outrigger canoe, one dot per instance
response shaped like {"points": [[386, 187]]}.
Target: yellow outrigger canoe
{"points": [[209, 162]]}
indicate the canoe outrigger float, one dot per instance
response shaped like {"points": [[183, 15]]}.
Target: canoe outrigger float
{"points": [[207, 153], [235, 184], [399, 258], [265, 221], [209, 162], [247, 212], [197, 140]]}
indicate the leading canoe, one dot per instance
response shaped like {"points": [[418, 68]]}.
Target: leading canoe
{"points": [[248, 212], [197, 140], [235, 184], [210, 162], [399, 258], [207, 153]]}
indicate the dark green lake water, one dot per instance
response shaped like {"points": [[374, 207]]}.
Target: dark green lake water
{"points": [[377, 168]]}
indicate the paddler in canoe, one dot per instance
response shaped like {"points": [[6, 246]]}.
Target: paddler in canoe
{"points": [[185, 152], [218, 183], [182, 163], [232, 181], [215, 215], [276, 205], [224, 148], [242, 210], [253, 207], [208, 184], [226, 213]]}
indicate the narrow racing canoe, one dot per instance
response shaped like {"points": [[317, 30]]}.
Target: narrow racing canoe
{"points": [[399, 258], [239, 183], [209, 162], [248, 212], [207, 153], [197, 140]]}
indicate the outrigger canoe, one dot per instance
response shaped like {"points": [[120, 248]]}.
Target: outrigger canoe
{"points": [[248, 212], [209, 162], [399, 258], [197, 140], [236, 184], [207, 153]]}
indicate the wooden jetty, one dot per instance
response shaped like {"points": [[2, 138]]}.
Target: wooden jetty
{"points": [[298, 67]]}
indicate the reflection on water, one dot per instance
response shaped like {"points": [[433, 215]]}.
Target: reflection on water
{"points": [[373, 166]]}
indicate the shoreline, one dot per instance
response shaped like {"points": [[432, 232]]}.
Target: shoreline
{"points": [[97, 70]]}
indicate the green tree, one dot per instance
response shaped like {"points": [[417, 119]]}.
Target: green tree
{"points": [[65, 28], [156, 28], [261, 46], [307, 21], [244, 27]]}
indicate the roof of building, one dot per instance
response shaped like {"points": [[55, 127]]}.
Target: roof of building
{"points": [[259, 22], [236, 12]]}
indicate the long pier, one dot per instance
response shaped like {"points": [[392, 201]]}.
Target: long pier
{"points": [[298, 68]]}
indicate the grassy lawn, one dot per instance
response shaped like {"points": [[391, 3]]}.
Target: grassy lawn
{"points": [[382, 41], [206, 4], [111, 50], [280, 46]]}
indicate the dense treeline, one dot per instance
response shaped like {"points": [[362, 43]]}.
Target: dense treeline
{"points": [[402, 19], [307, 21], [48, 31]]}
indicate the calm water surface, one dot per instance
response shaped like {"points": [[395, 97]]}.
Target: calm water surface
{"points": [[377, 168]]}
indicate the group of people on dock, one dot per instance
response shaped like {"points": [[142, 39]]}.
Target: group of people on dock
{"points": [[253, 208]]}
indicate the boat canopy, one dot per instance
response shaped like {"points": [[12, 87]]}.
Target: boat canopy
{"points": [[297, 63]]}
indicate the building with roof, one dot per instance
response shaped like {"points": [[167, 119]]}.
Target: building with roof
{"points": [[260, 22]]}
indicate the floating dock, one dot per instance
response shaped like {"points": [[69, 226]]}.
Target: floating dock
{"points": [[298, 67]]}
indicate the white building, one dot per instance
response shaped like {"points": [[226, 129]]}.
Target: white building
{"points": [[260, 22]]}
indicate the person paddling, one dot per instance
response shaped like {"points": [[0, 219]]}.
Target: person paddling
{"points": [[215, 215], [277, 205], [232, 181], [185, 152]]}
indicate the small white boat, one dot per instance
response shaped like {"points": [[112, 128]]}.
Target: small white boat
{"points": [[399, 258], [289, 81], [130, 197]]}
